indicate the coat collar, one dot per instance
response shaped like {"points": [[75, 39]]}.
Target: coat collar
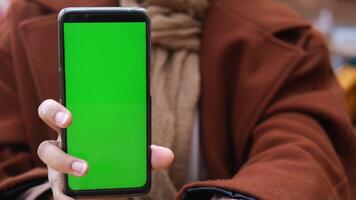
{"points": [[39, 36]]}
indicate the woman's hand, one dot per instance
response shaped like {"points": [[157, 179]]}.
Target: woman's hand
{"points": [[57, 116]]}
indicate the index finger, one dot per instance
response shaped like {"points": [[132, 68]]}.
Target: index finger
{"points": [[54, 114]]}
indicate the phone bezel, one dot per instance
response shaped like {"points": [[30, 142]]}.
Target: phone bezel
{"points": [[105, 14]]}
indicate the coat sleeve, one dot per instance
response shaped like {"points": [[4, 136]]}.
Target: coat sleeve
{"points": [[16, 167], [301, 146]]}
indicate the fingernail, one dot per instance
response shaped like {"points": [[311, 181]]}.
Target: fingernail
{"points": [[79, 167], [61, 118]]}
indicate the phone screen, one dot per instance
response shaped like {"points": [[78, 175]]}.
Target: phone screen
{"points": [[106, 91]]}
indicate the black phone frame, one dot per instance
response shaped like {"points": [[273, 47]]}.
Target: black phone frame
{"points": [[105, 14]]}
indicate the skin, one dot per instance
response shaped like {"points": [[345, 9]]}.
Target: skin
{"points": [[58, 162]]}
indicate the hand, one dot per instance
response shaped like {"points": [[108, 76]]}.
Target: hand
{"points": [[57, 116]]}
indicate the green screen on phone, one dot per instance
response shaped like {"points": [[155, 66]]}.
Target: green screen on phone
{"points": [[105, 89]]}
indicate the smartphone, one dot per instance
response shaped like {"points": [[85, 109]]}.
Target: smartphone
{"points": [[104, 57]]}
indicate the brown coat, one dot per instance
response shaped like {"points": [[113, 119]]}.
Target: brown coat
{"points": [[273, 123]]}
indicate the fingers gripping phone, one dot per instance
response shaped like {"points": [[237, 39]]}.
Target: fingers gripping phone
{"points": [[104, 74]]}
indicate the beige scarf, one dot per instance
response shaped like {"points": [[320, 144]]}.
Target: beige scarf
{"points": [[176, 27]]}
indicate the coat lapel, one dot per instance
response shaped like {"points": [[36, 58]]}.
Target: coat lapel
{"points": [[39, 36]]}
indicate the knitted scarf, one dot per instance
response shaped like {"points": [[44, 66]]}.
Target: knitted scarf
{"points": [[176, 27]]}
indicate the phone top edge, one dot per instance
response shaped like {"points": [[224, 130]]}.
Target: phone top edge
{"points": [[92, 9], [89, 10], [74, 13]]}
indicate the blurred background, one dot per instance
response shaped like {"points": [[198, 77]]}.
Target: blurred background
{"points": [[336, 19], [4, 5]]}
